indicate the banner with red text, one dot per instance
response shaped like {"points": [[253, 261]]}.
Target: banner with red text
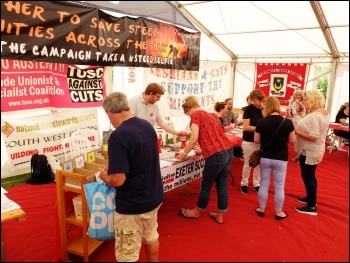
{"points": [[36, 85], [210, 84], [64, 32], [280, 80], [42, 134]]}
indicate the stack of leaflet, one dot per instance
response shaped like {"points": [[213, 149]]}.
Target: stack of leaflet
{"points": [[169, 156], [6, 203], [78, 207]]}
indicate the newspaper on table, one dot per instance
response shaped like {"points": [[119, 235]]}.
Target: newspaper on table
{"points": [[169, 156], [6, 203]]}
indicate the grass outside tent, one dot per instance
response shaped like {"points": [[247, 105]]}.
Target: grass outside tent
{"points": [[14, 180]]}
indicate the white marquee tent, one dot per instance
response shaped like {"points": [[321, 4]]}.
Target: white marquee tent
{"points": [[249, 32], [244, 33]]}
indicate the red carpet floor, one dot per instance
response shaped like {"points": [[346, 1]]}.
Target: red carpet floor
{"points": [[243, 237]]}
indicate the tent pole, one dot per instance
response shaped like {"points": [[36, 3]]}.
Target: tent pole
{"points": [[331, 85]]}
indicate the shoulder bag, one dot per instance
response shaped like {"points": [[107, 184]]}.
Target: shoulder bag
{"points": [[100, 199], [254, 159]]}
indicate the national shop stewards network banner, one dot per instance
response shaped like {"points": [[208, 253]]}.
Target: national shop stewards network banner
{"points": [[280, 80], [37, 85], [42, 134], [64, 32]]}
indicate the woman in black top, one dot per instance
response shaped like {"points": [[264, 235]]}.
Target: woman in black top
{"points": [[341, 117], [274, 155], [252, 113]]}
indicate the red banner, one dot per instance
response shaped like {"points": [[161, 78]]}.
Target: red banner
{"points": [[280, 80], [36, 85]]}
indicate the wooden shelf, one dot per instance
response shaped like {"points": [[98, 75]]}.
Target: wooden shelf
{"points": [[75, 245], [81, 245]]}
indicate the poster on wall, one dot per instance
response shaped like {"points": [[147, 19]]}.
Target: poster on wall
{"points": [[208, 85], [43, 134], [64, 32], [38, 85], [280, 80]]}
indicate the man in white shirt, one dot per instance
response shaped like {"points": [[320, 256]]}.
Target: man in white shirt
{"points": [[144, 106]]}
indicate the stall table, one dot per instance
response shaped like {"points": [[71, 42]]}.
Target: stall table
{"points": [[184, 172], [334, 127], [17, 214]]}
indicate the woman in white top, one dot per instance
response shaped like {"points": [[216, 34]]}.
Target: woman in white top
{"points": [[296, 111], [310, 145]]}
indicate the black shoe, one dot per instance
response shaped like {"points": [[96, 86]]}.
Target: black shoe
{"points": [[281, 217], [302, 200], [259, 213], [307, 210], [256, 188], [244, 189]]}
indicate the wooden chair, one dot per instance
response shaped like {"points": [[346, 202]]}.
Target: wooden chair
{"points": [[75, 146]]}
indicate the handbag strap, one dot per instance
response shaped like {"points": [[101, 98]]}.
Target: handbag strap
{"points": [[273, 134]]}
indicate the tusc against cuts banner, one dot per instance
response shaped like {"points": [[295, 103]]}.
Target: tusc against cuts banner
{"points": [[39, 85]]}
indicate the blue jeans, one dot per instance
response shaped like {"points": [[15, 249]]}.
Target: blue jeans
{"points": [[216, 169], [308, 174], [278, 169]]}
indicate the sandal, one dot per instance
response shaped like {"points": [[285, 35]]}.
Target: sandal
{"points": [[186, 213]]}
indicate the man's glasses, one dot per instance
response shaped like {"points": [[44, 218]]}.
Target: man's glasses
{"points": [[158, 96]]}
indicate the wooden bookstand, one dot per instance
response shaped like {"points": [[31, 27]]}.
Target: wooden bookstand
{"points": [[81, 245]]}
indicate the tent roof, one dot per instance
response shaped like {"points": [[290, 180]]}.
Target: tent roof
{"points": [[241, 30], [275, 29]]}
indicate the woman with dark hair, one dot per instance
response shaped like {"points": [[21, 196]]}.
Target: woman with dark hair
{"points": [[343, 118], [252, 113], [221, 109]]}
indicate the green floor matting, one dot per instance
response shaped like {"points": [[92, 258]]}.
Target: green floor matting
{"points": [[14, 180]]}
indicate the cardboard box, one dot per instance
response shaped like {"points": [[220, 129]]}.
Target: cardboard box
{"points": [[93, 166], [75, 182], [101, 161], [93, 158]]}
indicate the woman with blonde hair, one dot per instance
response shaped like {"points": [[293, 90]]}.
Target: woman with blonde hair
{"points": [[310, 145], [296, 111], [207, 130], [274, 154]]}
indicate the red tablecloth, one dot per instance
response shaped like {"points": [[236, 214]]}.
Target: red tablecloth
{"points": [[235, 140], [338, 126]]}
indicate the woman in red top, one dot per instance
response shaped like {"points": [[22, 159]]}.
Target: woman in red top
{"points": [[217, 151]]}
